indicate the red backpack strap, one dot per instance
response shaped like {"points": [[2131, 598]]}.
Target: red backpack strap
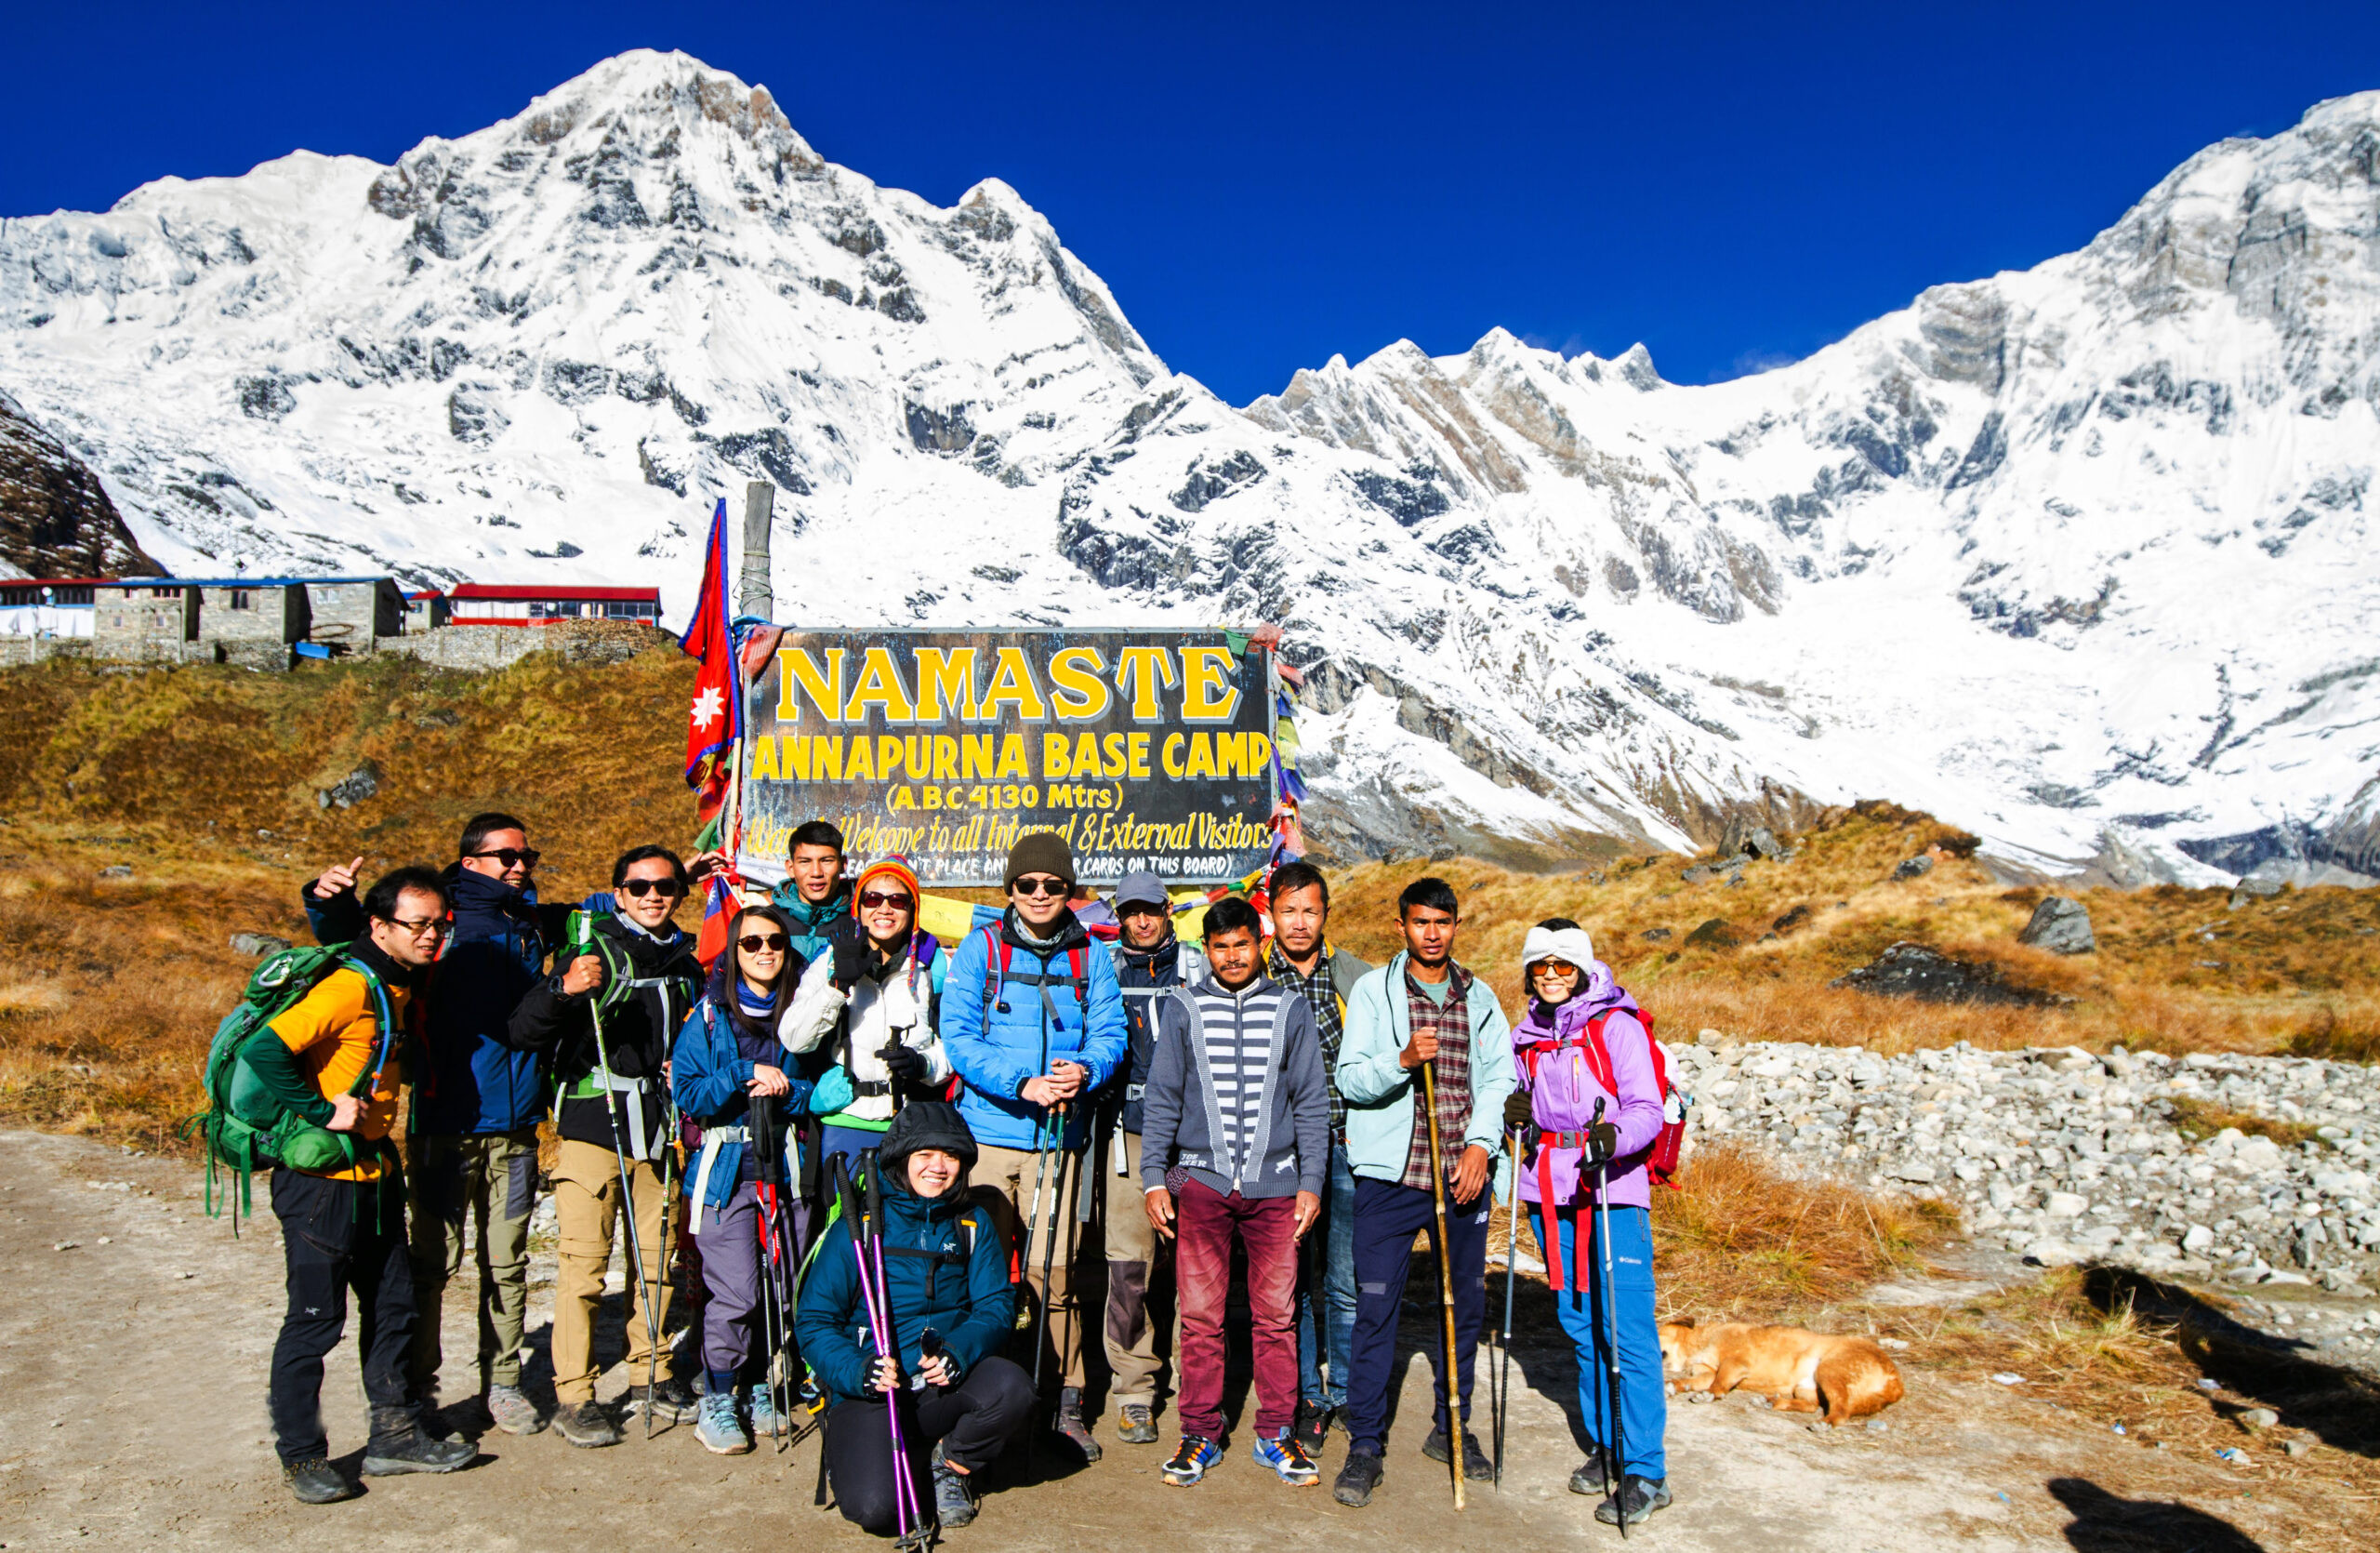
{"points": [[1078, 962], [1599, 1056]]}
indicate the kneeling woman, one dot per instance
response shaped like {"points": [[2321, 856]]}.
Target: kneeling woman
{"points": [[1589, 1098], [945, 1275]]}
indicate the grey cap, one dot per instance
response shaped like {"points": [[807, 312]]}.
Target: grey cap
{"points": [[1141, 886]]}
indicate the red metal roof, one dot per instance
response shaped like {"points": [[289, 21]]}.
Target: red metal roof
{"points": [[511, 591], [57, 582]]}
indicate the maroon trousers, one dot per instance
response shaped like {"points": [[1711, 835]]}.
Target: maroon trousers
{"points": [[1207, 1221]]}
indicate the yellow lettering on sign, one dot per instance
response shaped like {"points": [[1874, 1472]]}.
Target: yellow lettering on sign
{"points": [[1081, 695], [1113, 746], [1087, 758], [764, 757], [978, 764], [1140, 672], [1202, 756], [1013, 685], [826, 758], [1012, 757], [945, 683], [797, 670], [861, 760], [1257, 757], [1053, 757], [945, 756], [1137, 767], [903, 798], [1170, 754], [879, 685], [1208, 693], [888, 756]]}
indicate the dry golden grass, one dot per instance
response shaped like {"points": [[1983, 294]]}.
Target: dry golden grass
{"points": [[2204, 1119], [2301, 971], [203, 779]]}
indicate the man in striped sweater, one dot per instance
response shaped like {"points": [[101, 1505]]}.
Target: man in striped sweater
{"points": [[1236, 1144]]}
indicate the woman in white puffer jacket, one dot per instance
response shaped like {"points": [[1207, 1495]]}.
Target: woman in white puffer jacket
{"points": [[877, 993]]}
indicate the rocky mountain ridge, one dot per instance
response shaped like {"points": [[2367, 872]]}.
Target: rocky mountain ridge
{"points": [[2015, 554]]}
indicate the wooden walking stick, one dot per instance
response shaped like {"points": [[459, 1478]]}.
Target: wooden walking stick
{"points": [[1445, 1272]]}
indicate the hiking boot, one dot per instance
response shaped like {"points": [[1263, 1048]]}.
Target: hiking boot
{"points": [[954, 1497], [1070, 1427], [1589, 1477], [761, 1413], [717, 1427], [1640, 1496], [670, 1401], [1475, 1465], [1287, 1456], [1135, 1425], [398, 1445], [511, 1410], [585, 1425], [1357, 1479], [314, 1482], [1190, 1460], [1313, 1425]]}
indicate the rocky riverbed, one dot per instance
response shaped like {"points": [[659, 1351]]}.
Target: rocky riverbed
{"points": [[2067, 1157]]}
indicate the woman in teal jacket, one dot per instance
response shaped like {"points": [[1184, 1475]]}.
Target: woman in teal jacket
{"points": [[952, 1305]]}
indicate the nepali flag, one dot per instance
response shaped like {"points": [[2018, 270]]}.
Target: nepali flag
{"points": [[715, 720]]}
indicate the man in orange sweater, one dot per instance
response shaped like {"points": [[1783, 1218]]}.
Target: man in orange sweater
{"points": [[344, 1229]]}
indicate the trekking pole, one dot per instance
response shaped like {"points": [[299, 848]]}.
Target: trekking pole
{"points": [[1445, 1272], [666, 1164], [1505, 1362], [582, 937], [763, 1142], [1613, 1459], [888, 1343]]}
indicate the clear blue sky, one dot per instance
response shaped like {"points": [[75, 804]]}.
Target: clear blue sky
{"points": [[1264, 185]]}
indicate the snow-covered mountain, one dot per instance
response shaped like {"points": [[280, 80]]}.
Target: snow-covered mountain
{"points": [[2075, 556]]}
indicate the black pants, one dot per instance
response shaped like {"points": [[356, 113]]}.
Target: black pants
{"points": [[973, 1421], [336, 1236]]}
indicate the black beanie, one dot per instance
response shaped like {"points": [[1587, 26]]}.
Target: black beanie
{"points": [[924, 1125], [1042, 852]]}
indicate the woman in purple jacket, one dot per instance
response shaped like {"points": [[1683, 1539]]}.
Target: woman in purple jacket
{"points": [[1566, 1151]]}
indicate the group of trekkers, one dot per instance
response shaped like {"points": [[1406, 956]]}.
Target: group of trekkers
{"points": [[876, 1164]]}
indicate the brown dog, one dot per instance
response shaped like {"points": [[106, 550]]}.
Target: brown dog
{"points": [[1798, 1370]]}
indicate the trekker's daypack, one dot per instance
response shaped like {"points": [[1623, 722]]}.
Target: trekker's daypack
{"points": [[1669, 1144], [244, 1125]]}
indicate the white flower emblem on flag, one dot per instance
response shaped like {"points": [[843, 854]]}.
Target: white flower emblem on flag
{"points": [[707, 706]]}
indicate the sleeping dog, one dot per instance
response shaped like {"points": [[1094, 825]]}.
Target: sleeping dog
{"points": [[1798, 1370]]}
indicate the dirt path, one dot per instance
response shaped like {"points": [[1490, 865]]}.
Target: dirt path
{"points": [[132, 1415]]}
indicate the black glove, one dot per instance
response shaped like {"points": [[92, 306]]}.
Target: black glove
{"points": [[1519, 1111], [905, 1062], [1603, 1143], [851, 963]]}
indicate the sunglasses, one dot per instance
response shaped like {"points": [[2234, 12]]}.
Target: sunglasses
{"points": [[1561, 968], [429, 927], [872, 899], [637, 889], [511, 857], [1040, 885], [762, 943]]}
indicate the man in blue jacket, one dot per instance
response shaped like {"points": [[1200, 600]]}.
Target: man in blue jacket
{"points": [[1033, 1021], [476, 1099]]}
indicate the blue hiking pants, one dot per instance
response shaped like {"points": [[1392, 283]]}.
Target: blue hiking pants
{"points": [[1644, 1410], [1329, 1289]]}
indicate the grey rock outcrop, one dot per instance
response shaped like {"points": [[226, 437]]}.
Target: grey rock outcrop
{"points": [[2060, 926]]}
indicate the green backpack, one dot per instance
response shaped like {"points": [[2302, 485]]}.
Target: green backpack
{"points": [[243, 1124]]}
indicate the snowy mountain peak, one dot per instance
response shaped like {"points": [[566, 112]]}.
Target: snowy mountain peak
{"points": [[2076, 556]]}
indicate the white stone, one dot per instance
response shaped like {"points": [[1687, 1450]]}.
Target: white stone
{"points": [[2066, 1204]]}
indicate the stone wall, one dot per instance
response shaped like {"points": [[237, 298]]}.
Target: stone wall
{"points": [[485, 648], [249, 616], [2069, 1157]]}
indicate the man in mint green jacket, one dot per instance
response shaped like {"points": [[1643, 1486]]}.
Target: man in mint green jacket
{"points": [[1420, 1008]]}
